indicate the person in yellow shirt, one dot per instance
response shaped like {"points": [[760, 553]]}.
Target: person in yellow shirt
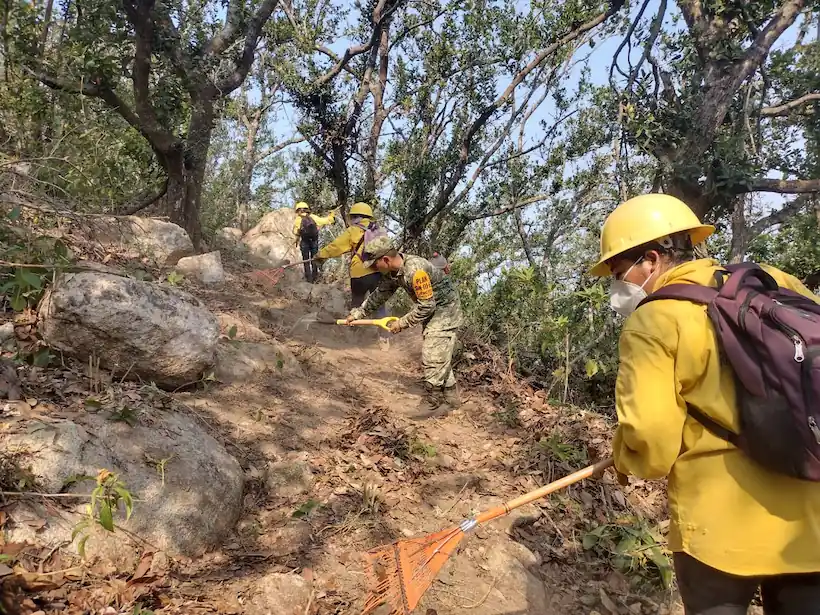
{"points": [[306, 227], [363, 280], [736, 527]]}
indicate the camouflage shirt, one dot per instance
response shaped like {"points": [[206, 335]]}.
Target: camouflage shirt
{"points": [[432, 291]]}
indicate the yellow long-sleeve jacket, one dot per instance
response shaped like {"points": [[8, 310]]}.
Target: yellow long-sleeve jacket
{"points": [[319, 220], [345, 243], [725, 510]]}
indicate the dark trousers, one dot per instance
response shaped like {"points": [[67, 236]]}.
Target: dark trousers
{"points": [[360, 287], [707, 591], [310, 248]]}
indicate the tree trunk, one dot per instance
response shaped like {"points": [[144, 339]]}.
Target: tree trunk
{"points": [[186, 171], [740, 232], [243, 204]]}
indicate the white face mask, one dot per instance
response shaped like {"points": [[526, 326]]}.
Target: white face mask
{"points": [[624, 297]]}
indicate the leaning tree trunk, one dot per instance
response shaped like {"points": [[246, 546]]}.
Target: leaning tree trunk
{"points": [[249, 159], [186, 172]]}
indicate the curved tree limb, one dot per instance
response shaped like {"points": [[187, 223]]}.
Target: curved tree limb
{"points": [[243, 63], [781, 186], [141, 201], [785, 108]]}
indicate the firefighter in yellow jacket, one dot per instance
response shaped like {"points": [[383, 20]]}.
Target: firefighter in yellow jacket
{"points": [[735, 526], [363, 280], [306, 227]]}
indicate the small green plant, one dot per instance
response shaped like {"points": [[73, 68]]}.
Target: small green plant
{"points": [[232, 332], [562, 451], [160, 465], [174, 278], [305, 509], [106, 498], [126, 414], [419, 448], [633, 548], [509, 415], [138, 610]]}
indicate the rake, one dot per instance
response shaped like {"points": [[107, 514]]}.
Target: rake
{"points": [[273, 276], [400, 573], [384, 323]]}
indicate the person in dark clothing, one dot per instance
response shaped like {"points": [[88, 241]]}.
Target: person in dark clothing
{"points": [[306, 229]]}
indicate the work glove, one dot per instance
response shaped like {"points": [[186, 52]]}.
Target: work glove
{"points": [[395, 327]]}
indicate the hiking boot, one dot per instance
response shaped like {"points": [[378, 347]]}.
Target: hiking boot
{"points": [[432, 405], [384, 344], [451, 397]]}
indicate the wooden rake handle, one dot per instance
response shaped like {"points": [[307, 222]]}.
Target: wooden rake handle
{"points": [[561, 483]]}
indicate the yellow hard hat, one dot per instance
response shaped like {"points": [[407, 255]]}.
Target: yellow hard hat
{"points": [[301, 205], [361, 209], [644, 219]]}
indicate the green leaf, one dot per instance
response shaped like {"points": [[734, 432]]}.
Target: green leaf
{"points": [[661, 561], [589, 540], [78, 529], [14, 214], [81, 546], [18, 302], [127, 500], [31, 279], [106, 516], [42, 358], [305, 509], [591, 367], [93, 403], [232, 332]]}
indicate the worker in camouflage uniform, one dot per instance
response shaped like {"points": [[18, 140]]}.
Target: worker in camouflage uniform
{"points": [[437, 309]]}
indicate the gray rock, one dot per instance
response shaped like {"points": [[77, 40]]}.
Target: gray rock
{"points": [[153, 331], [192, 511], [206, 268], [289, 479], [161, 241], [279, 594], [272, 239]]}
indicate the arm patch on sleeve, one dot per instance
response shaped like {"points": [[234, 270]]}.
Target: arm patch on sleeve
{"points": [[422, 285]]}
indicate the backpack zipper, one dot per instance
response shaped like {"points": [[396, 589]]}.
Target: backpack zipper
{"points": [[799, 355], [814, 429]]}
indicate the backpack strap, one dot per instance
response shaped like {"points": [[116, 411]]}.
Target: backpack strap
{"points": [[695, 293], [713, 426], [742, 273]]}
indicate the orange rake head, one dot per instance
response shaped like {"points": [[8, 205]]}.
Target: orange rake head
{"points": [[267, 277], [401, 572]]}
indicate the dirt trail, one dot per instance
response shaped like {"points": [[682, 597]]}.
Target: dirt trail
{"points": [[360, 473]]}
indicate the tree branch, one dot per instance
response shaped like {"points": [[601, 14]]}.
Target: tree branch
{"points": [[279, 147], [779, 217], [484, 116], [146, 199], [243, 64], [781, 186], [784, 109], [229, 32], [507, 209]]}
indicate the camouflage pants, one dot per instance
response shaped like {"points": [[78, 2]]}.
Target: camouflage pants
{"points": [[437, 356]]}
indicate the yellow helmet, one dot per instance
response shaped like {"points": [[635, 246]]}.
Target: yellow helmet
{"points": [[302, 205], [644, 219], [361, 209]]}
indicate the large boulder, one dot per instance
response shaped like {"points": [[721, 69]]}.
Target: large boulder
{"points": [[205, 268], [187, 488], [229, 236], [143, 329], [163, 242], [272, 239]]}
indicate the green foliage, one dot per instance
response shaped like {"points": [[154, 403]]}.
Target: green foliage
{"points": [[106, 499], [305, 509], [633, 548], [22, 286], [794, 247]]}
